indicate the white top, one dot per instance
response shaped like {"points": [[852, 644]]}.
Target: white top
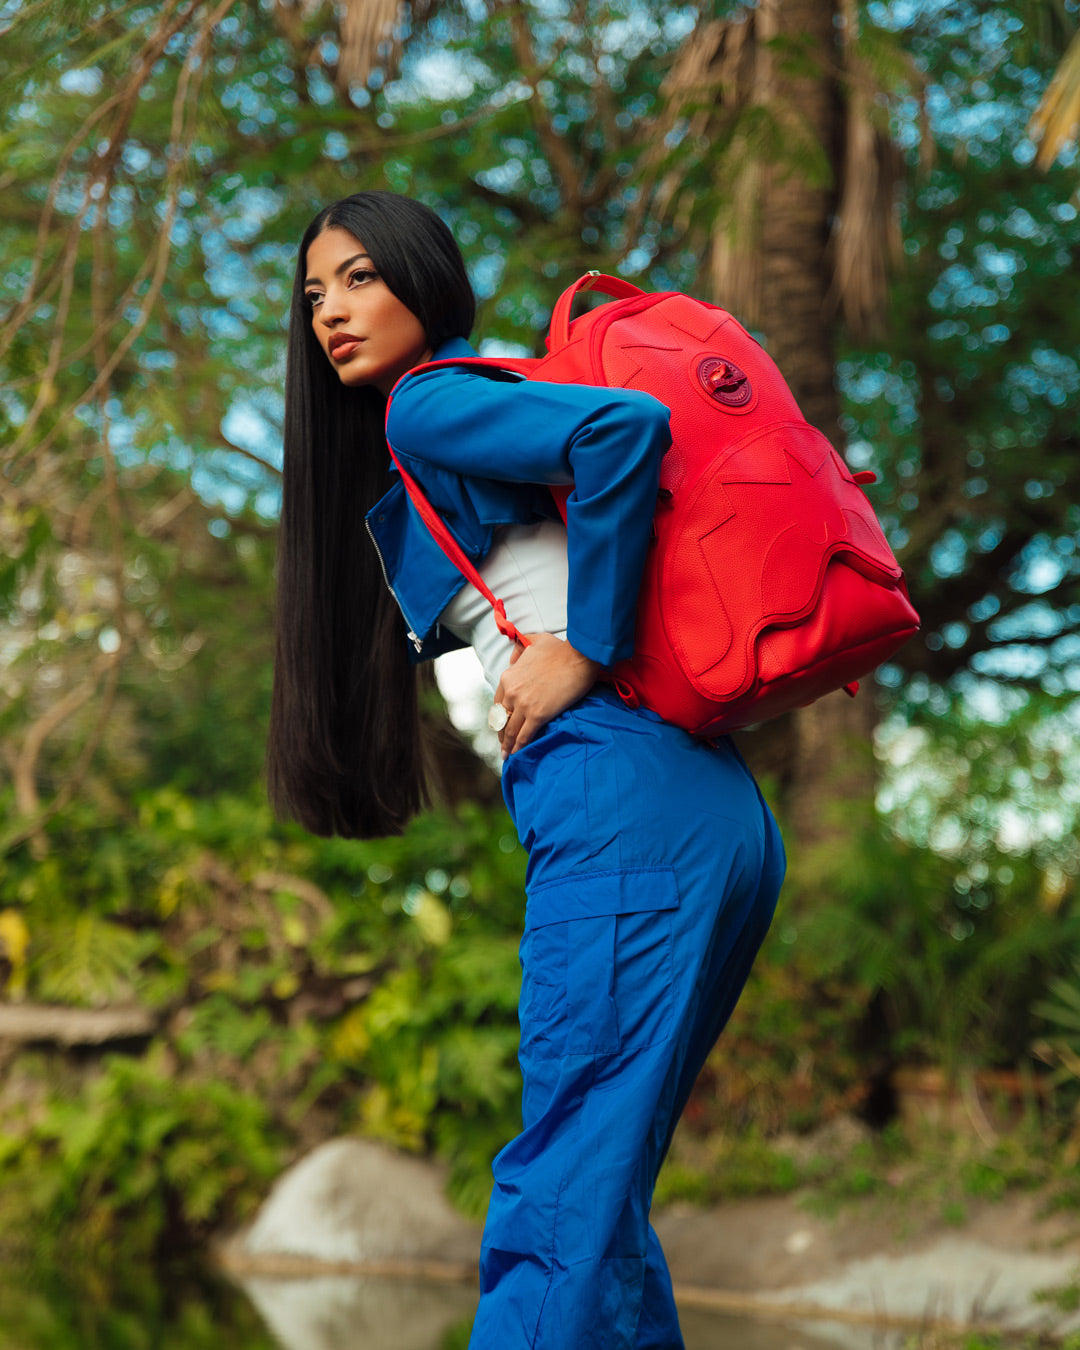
{"points": [[526, 568]]}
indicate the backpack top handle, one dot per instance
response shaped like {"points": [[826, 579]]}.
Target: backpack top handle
{"points": [[614, 287]]}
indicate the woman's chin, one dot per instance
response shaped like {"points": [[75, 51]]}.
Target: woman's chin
{"points": [[355, 379]]}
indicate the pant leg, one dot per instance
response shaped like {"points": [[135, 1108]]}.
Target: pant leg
{"points": [[658, 1322], [564, 1249], [725, 974], [619, 963], [721, 984]]}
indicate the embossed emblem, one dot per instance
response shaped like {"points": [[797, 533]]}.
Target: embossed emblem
{"points": [[724, 381]]}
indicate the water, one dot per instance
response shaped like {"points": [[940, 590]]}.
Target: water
{"points": [[186, 1309]]}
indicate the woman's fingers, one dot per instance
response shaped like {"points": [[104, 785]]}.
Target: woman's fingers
{"points": [[513, 694], [510, 738], [504, 700], [540, 682]]}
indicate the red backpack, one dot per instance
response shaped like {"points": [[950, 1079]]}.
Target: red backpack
{"points": [[769, 582]]}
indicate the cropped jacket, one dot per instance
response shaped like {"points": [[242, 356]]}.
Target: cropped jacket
{"points": [[486, 450]]}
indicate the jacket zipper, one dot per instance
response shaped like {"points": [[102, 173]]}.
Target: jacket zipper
{"points": [[416, 642]]}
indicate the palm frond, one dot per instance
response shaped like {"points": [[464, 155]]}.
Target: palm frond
{"points": [[372, 34], [1054, 122], [866, 242], [722, 71]]}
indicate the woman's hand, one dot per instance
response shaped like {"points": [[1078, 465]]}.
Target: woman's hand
{"points": [[541, 680]]}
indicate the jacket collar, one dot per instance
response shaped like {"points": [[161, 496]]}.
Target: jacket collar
{"points": [[453, 349]]}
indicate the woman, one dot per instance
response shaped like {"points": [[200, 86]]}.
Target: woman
{"points": [[654, 864]]}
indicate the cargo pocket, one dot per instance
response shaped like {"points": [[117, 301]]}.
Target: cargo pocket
{"points": [[596, 961]]}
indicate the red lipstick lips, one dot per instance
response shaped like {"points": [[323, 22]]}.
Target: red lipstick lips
{"points": [[342, 345]]}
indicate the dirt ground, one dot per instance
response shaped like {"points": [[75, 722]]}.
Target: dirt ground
{"points": [[761, 1274], [883, 1259], [356, 1221]]}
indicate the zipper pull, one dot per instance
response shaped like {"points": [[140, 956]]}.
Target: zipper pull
{"points": [[416, 642]]}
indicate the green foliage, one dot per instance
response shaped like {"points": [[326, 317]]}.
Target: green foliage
{"points": [[741, 1165], [954, 950], [91, 961], [439, 1039], [790, 1056], [980, 1340], [966, 407], [1064, 1297], [138, 1158], [301, 986], [908, 1171], [1062, 1010], [457, 1338], [932, 938], [934, 1171], [989, 785], [1060, 1048]]}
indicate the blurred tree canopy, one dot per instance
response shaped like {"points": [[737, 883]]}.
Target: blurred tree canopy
{"points": [[818, 168], [854, 180]]}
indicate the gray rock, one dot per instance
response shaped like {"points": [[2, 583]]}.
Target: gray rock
{"points": [[338, 1313], [354, 1202], [952, 1279]]}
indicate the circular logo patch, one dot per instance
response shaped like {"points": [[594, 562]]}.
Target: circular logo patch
{"points": [[723, 381]]}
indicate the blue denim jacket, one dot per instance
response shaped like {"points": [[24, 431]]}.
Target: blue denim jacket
{"points": [[485, 452]]}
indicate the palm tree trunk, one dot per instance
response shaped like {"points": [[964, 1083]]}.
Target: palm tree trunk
{"points": [[821, 756]]}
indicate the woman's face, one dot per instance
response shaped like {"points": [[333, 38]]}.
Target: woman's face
{"points": [[369, 336]]}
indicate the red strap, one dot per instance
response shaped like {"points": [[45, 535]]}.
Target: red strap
{"points": [[560, 326], [450, 546], [487, 365], [431, 518], [591, 281]]}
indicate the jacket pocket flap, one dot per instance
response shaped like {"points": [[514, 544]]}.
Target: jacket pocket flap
{"points": [[592, 895]]}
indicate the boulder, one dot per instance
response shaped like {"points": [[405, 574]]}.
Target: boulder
{"points": [[354, 1202]]}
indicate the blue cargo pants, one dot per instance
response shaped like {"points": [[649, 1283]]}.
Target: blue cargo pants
{"points": [[654, 867]]}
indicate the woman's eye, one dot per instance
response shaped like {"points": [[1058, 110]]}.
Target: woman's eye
{"points": [[313, 298], [361, 275]]}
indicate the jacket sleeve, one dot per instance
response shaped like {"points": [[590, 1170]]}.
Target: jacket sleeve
{"points": [[607, 442]]}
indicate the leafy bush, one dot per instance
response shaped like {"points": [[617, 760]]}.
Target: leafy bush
{"points": [[308, 987], [135, 1161], [440, 1042], [957, 952], [740, 1165], [301, 988]]}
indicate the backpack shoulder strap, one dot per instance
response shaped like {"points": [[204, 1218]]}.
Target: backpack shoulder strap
{"points": [[437, 527], [503, 367]]}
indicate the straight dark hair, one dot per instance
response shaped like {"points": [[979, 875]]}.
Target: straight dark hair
{"points": [[344, 753]]}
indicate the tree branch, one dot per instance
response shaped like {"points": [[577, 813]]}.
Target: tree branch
{"points": [[554, 146], [124, 99], [30, 1022], [526, 211], [180, 139]]}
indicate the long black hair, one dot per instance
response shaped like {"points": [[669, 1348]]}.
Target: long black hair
{"points": [[344, 753]]}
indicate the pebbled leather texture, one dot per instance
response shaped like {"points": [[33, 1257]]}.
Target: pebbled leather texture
{"points": [[770, 582]]}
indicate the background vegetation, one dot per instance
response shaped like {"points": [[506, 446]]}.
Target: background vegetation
{"points": [[193, 994]]}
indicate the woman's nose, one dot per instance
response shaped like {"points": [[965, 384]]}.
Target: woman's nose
{"points": [[333, 308]]}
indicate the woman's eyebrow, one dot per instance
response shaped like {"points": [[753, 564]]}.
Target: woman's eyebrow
{"points": [[343, 267]]}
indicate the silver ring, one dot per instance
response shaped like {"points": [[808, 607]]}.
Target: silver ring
{"points": [[498, 717]]}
